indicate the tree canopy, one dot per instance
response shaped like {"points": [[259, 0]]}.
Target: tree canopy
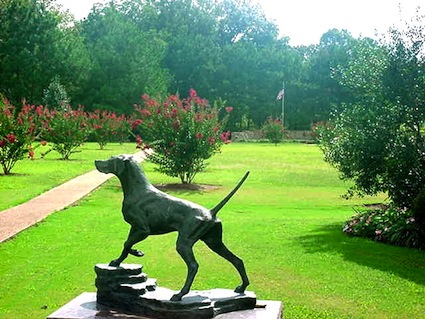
{"points": [[224, 49], [377, 139]]}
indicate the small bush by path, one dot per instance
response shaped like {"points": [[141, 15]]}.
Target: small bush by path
{"points": [[285, 222]]}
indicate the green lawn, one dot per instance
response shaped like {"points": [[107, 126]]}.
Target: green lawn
{"points": [[285, 222], [30, 178]]}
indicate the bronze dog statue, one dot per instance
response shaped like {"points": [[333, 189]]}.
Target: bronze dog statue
{"points": [[152, 212]]}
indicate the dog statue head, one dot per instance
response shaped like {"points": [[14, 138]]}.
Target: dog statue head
{"points": [[114, 165]]}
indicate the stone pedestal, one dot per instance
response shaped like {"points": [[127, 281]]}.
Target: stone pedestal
{"points": [[85, 306], [127, 288]]}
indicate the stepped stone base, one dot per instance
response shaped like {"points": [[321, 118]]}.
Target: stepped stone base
{"points": [[126, 292], [127, 288]]}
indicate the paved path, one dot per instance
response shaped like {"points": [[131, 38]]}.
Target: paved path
{"points": [[19, 218]]}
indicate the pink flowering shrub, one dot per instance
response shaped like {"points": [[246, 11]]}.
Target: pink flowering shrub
{"points": [[18, 130], [388, 225], [182, 133], [65, 129], [108, 127]]}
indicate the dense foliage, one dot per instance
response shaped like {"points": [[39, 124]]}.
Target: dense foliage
{"points": [[62, 130], [378, 140], [226, 49], [182, 132], [36, 45]]}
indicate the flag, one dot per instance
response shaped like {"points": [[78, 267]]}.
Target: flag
{"points": [[280, 94]]}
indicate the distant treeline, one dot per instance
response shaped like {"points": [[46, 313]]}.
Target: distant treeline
{"points": [[224, 49]]}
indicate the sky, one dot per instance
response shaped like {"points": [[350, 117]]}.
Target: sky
{"points": [[304, 21]]}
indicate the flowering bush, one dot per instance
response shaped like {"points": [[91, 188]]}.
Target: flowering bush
{"points": [[107, 127], [18, 131], [183, 133], [65, 129], [273, 130], [389, 225]]}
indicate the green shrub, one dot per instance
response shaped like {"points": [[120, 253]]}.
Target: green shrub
{"points": [[273, 130], [55, 96]]}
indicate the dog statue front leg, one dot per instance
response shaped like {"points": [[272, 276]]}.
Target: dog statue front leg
{"points": [[117, 262], [135, 236]]}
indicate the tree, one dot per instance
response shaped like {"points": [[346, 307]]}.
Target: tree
{"points": [[37, 44], [27, 49], [378, 141], [126, 59], [108, 127], [193, 53], [55, 95], [227, 49], [318, 90]]}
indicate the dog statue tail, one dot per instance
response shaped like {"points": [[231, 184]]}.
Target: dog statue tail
{"points": [[223, 202]]}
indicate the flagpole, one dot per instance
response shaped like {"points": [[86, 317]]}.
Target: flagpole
{"points": [[283, 104]]}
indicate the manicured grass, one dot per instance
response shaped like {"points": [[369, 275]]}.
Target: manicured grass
{"points": [[285, 222], [33, 177]]}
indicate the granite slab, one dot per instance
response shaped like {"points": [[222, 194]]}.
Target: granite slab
{"points": [[85, 306]]}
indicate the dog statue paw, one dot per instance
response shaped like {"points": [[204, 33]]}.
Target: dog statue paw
{"points": [[136, 253], [176, 297], [240, 289], [115, 263]]}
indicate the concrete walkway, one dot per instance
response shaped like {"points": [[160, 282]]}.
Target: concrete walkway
{"points": [[19, 218]]}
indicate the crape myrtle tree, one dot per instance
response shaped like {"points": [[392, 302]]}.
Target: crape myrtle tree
{"points": [[66, 129], [183, 133], [18, 131], [378, 140], [107, 126]]}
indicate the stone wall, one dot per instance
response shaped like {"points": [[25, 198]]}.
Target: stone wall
{"points": [[259, 135], [300, 135], [247, 136]]}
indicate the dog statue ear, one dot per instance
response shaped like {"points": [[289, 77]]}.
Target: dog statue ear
{"points": [[119, 166]]}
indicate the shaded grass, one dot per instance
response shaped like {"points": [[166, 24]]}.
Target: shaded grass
{"points": [[285, 222], [33, 177]]}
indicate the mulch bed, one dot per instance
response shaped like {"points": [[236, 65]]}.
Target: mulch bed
{"points": [[186, 187]]}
